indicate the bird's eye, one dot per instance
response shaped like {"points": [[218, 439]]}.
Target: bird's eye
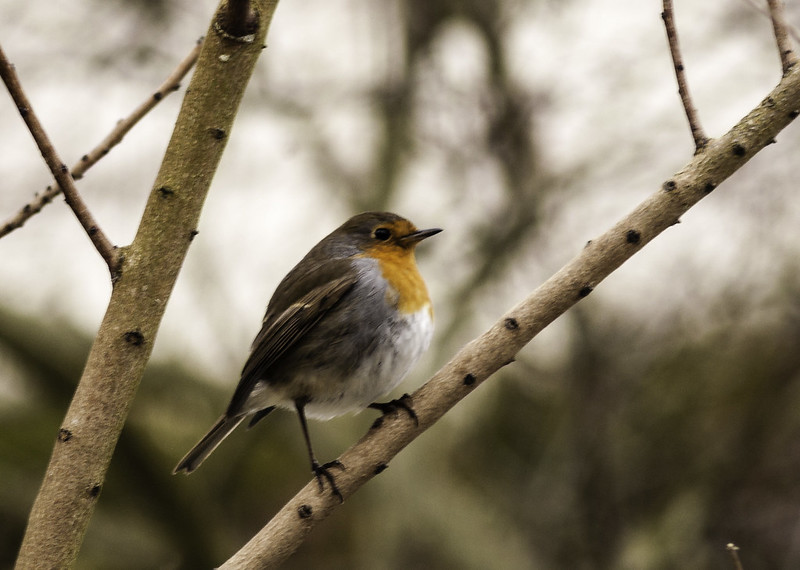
{"points": [[382, 234]]}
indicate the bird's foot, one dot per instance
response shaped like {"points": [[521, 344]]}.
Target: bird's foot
{"points": [[322, 473], [386, 408]]}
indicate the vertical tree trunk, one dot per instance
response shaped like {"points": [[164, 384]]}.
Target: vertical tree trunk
{"points": [[123, 345]]}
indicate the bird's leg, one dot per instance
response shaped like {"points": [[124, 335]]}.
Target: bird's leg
{"points": [[320, 471], [402, 403]]}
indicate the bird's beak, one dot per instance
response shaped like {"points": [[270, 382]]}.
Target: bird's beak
{"points": [[415, 237]]}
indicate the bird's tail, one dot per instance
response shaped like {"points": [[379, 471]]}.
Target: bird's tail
{"points": [[219, 431]]}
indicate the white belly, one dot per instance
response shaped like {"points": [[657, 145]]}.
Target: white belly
{"points": [[405, 341]]}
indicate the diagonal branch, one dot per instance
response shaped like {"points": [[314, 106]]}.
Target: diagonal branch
{"points": [[172, 83], [700, 138], [781, 28], [498, 346], [59, 170]]}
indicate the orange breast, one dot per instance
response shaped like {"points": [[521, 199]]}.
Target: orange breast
{"points": [[407, 290]]}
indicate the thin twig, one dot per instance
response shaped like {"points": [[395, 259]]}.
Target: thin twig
{"points": [[59, 170], [734, 550], [764, 11], [700, 138], [776, 13], [171, 84]]}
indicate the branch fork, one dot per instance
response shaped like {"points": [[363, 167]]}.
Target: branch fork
{"points": [[59, 170]]}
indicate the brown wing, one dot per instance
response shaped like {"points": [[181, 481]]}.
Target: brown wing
{"points": [[281, 332]]}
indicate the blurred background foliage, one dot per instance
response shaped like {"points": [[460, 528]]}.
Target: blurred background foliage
{"points": [[650, 426]]}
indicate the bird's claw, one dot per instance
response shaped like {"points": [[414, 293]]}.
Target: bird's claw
{"points": [[386, 408], [322, 473]]}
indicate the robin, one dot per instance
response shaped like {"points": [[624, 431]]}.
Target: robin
{"points": [[341, 330]]}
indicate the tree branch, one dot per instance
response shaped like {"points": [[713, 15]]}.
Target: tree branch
{"points": [[699, 136], [779, 25], [499, 345], [59, 170], [172, 83], [116, 362]]}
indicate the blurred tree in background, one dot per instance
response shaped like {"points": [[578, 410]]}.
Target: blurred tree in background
{"points": [[655, 423]]}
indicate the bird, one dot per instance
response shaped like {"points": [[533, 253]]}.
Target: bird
{"points": [[342, 329]]}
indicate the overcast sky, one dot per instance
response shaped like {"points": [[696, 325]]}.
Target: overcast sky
{"points": [[600, 69]]}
